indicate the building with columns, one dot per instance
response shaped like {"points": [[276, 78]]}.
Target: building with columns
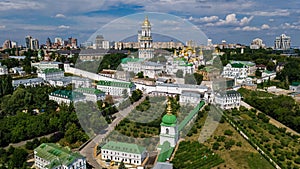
{"points": [[145, 41]]}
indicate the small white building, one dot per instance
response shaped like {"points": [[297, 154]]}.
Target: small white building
{"points": [[235, 70], [228, 99], [49, 74], [53, 156], [295, 87], [91, 94], [115, 88], [66, 96], [190, 97], [126, 152]]}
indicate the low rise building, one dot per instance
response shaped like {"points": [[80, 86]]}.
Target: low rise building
{"points": [[48, 65], [115, 88], [66, 96], [126, 152], [28, 82], [91, 94], [235, 70], [49, 74], [228, 99], [190, 97], [295, 87], [52, 156], [175, 64]]}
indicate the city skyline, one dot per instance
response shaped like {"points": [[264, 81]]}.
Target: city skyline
{"points": [[236, 21]]}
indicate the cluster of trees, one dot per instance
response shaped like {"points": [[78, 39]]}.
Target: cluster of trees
{"points": [[282, 108], [145, 105], [22, 98], [13, 158], [290, 71], [111, 61], [136, 95], [195, 78], [6, 85]]}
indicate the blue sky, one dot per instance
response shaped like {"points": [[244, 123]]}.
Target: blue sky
{"points": [[236, 21]]}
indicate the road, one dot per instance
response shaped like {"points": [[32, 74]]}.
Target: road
{"points": [[272, 121], [88, 150], [22, 143]]}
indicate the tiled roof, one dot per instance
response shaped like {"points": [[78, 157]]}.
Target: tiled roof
{"points": [[66, 94], [124, 147], [126, 60], [56, 154], [237, 65]]}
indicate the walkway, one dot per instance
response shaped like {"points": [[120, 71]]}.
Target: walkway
{"points": [[22, 143], [271, 121], [88, 150]]}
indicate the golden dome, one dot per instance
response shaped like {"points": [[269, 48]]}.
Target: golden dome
{"points": [[146, 22]]}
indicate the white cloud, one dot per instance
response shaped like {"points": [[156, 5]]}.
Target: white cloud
{"points": [[276, 12], [170, 22], [231, 20], [2, 26], [265, 26], [19, 5], [290, 26], [59, 15], [204, 19], [64, 27], [271, 20], [247, 28]]}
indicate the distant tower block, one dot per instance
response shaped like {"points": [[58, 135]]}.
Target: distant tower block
{"points": [[145, 40]]}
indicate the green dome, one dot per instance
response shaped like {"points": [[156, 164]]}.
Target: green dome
{"points": [[169, 119]]}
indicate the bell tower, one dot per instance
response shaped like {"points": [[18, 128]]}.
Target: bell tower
{"points": [[145, 40]]}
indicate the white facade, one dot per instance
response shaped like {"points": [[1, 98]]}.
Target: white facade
{"points": [[91, 94], [188, 97], [49, 74], [128, 153], [235, 71], [282, 42], [28, 82], [150, 69], [66, 97], [257, 43], [116, 88], [47, 65], [169, 134], [228, 99]]}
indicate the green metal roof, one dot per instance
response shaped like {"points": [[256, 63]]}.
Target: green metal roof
{"points": [[126, 60], [169, 120], [115, 84], [248, 63], [165, 152], [237, 65], [190, 116], [124, 147], [56, 155], [51, 70], [67, 94], [90, 91], [295, 83]]}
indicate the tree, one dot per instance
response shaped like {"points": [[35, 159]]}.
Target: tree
{"points": [[198, 78], [179, 74], [18, 158], [6, 85], [109, 99], [140, 75], [189, 79], [258, 73], [122, 165]]}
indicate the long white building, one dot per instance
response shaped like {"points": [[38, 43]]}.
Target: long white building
{"points": [[49, 74], [126, 152], [116, 88]]}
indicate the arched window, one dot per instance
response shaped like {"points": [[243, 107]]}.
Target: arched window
{"points": [[167, 131]]}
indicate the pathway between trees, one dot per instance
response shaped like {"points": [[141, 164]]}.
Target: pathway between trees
{"points": [[272, 121], [88, 150], [22, 143]]}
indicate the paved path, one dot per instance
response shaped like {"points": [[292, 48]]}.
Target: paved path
{"points": [[272, 121], [22, 143], [88, 150]]}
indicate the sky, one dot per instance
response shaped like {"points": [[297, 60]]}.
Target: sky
{"points": [[236, 21]]}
